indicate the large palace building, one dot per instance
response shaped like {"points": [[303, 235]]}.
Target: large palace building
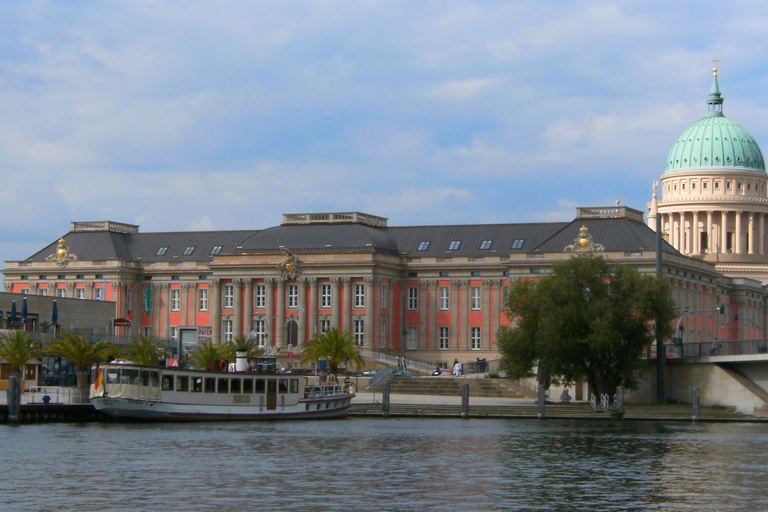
{"points": [[434, 293]]}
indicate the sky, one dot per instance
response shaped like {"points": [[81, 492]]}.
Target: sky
{"points": [[211, 115]]}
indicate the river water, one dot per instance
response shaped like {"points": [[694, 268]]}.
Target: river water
{"points": [[385, 464]]}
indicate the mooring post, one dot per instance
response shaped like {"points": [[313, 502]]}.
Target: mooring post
{"points": [[385, 400], [695, 401], [14, 399], [465, 401], [542, 400], [620, 398]]}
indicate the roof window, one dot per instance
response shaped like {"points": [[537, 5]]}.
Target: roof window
{"points": [[518, 244], [454, 245], [189, 250], [216, 250], [423, 246], [161, 251], [486, 244]]}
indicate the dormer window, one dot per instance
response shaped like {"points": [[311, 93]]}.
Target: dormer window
{"points": [[518, 244], [216, 250]]}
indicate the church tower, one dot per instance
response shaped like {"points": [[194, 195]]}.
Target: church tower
{"points": [[713, 202]]}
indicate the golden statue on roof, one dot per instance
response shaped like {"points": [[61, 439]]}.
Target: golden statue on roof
{"points": [[61, 256]]}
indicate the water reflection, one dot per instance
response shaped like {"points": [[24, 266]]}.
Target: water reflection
{"points": [[378, 464]]}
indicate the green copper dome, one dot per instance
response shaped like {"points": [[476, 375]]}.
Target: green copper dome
{"points": [[715, 142]]}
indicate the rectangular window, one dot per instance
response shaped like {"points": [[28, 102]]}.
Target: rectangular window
{"points": [[325, 325], [475, 298], [486, 244], [61, 292], [518, 244], [43, 292], [359, 296], [260, 329], [474, 338], [80, 293], [359, 332], [413, 299], [229, 297], [228, 330], [203, 302], [161, 251], [175, 299], [325, 296], [454, 245], [293, 296], [261, 296], [444, 298], [384, 296], [216, 249], [182, 383], [383, 333], [443, 338], [412, 337], [423, 246], [174, 333], [189, 250], [99, 293]]}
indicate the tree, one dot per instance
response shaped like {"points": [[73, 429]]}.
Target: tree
{"points": [[146, 350], [205, 352], [83, 354], [588, 319], [16, 349], [337, 346]]}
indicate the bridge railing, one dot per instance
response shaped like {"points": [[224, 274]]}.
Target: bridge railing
{"points": [[713, 348]]}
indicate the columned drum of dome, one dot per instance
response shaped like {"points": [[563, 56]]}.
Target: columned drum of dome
{"points": [[713, 202]]}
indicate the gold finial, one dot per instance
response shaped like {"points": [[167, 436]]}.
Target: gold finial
{"points": [[583, 229], [714, 69]]}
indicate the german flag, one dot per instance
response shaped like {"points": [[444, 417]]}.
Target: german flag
{"points": [[99, 382]]}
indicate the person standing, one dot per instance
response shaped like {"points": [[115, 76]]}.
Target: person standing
{"points": [[456, 367]]}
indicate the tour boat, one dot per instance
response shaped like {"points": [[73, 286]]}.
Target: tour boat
{"points": [[127, 390]]}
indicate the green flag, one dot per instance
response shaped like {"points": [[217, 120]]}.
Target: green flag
{"points": [[148, 299]]}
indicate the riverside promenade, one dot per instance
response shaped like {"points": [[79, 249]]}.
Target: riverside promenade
{"points": [[367, 404]]}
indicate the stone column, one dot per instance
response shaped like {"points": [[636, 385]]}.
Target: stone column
{"points": [[280, 326], [312, 306], [711, 244], [434, 297], [496, 311], [738, 249], [346, 311], [302, 334], [269, 311], [335, 304], [369, 307], [487, 307], [424, 308], [761, 235], [458, 308], [184, 303], [89, 288], [214, 307], [751, 231], [724, 231], [237, 320], [695, 233], [248, 307]]}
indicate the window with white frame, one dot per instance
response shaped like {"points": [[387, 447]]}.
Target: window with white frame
{"points": [[61, 292], [229, 297], [359, 333], [443, 338], [444, 298], [43, 292], [413, 298], [383, 334], [80, 293], [260, 328], [174, 333], [325, 296], [261, 296], [474, 338], [384, 296], [175, 299], [325, 325], [293, 296], [475, 298], [99, 293], [412, 338], [203, 299], [228, 330], [359, 295]]}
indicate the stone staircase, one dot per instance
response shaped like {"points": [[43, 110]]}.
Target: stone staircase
{"points": [[451, 386]]}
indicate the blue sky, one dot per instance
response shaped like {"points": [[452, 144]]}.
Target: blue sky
{"points": [[200, 115]]}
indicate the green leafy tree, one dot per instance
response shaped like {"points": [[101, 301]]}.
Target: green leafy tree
{"points": [[17, 348], [205, 352], [146, 350], [83, 354], [45, 325], [337, 346], [587, 319]]}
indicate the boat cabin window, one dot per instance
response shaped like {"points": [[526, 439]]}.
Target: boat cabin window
{"points": [[197, 384], [167, 382], [149, 378], [283, 386], [113, 375], [259, 386], [234, 386], [223, 385], [129, 376], [294, 385], [182, 383], [247, 385], [210, 385]]}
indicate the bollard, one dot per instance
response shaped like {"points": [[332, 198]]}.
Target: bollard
{"points": [[695, 401], [620, 398], [385, 400], [465, 401], [542, 401], [14, 399]]}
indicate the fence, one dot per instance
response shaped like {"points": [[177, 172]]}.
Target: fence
{"points": [[713, 348]]}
